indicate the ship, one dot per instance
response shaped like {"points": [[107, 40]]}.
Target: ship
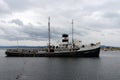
{"points": [[75, 48]]}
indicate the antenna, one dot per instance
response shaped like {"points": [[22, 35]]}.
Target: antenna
{"points": [[48, 34]]}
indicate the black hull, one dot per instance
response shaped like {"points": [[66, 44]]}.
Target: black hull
{"points": [[87, 53]]}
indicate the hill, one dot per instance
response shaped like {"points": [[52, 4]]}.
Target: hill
{"points": [[112, 48]]}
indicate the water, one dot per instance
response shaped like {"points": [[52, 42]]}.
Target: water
{"points": [[107, 67]]}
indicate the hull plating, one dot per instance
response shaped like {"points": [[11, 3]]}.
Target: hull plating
{"points": [[87, 53]]}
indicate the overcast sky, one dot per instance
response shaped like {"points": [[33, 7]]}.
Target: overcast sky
{"points": [[25, 21]]}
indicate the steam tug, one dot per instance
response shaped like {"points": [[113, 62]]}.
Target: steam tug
{"points": [[75, 48]]}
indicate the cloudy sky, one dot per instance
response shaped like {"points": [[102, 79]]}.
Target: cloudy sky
{"points": [[24, 22]]}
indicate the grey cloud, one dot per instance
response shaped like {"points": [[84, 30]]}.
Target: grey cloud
{"points": [[32, 32], [35, 33], [111, 15], [17, 21], [89, 16], [4, 9], [41, 33], [2, 21], [18, 5], [4, 12]]}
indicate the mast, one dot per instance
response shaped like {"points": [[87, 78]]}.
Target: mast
{"points": [[17, 43], [72, 35], [49, 34]]}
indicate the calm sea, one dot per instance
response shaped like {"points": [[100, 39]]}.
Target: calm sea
{"points": [[106, 67]]}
